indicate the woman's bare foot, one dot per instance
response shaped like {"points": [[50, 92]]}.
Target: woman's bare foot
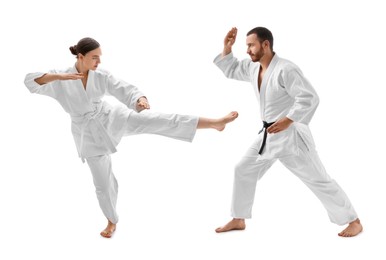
{"points": [[109, 230], [234, 224], [218, 124], [353, 229]]}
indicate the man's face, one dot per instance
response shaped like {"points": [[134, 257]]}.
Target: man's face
{"points": [[254, 48]]}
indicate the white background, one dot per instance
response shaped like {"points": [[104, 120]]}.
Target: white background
{"points": [[174, 194]]}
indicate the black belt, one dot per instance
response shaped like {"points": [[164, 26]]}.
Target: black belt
{"points": [[265, 126]]}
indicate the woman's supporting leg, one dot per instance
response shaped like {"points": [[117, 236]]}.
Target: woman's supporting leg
{"points": [[106, 188]]}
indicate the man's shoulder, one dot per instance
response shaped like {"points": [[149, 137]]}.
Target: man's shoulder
{"points": [[286, 64]]}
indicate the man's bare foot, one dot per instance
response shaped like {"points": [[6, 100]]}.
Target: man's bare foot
{"points": [[109, 230], [234, 224], [353, 229], [219, 124]]}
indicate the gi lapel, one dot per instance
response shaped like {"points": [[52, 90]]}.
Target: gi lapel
{"points": [[84, 93], [264, 83], [90, 83]]}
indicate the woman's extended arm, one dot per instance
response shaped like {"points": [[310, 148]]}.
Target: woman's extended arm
{"points": [[49, 77]]}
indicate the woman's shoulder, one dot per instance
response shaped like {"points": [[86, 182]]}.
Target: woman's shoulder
{"points": [[102, 72]]}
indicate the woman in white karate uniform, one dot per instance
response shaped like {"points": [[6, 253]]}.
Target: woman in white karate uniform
{"points": [[98, 127]]}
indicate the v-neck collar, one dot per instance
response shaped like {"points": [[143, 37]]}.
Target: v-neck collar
{"points": [[264, 82], [89, 78]]}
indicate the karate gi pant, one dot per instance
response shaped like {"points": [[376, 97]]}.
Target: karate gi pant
{"points": [[179, 127], [306, 166]]}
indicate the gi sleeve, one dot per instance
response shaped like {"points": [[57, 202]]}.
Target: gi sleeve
{"points": [[126, 93], [233, 68], [305, 96], [50, 89]]}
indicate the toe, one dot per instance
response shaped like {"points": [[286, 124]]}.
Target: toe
{"points": [[106, 234], [220, 229]]}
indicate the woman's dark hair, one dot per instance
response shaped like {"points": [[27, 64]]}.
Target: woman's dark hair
{"points": [[83, 46], [262, 34]]}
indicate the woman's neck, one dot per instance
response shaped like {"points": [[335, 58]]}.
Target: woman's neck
{"points": [[80, 69]]}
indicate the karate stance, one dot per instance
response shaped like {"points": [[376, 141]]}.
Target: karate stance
{"points": [[97, 127], [287, 104]]}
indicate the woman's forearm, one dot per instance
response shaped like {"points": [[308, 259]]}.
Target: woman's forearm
{"points": [[47, 78]]}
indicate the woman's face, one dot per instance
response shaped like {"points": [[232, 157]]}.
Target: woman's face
{"points": [[91, 60]]}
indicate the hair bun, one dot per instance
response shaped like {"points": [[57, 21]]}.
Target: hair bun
{"points": [[84, 46], [73, 50]]}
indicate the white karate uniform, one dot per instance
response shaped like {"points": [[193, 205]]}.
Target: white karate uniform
{"points": [[97, 127], [284, 92]]}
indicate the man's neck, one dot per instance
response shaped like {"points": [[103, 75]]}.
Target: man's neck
{"points": [[266, 60]]}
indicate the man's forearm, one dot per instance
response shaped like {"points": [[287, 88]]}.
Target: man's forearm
{"points": [[226, 51]]}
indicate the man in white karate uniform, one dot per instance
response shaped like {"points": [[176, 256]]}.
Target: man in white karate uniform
{"points": [[287, 104]]}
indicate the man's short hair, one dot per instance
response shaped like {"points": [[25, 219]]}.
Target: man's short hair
{"points": [[262, 34]]}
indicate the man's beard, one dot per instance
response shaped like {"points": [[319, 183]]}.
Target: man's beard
{"points": [[256, 57]]}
